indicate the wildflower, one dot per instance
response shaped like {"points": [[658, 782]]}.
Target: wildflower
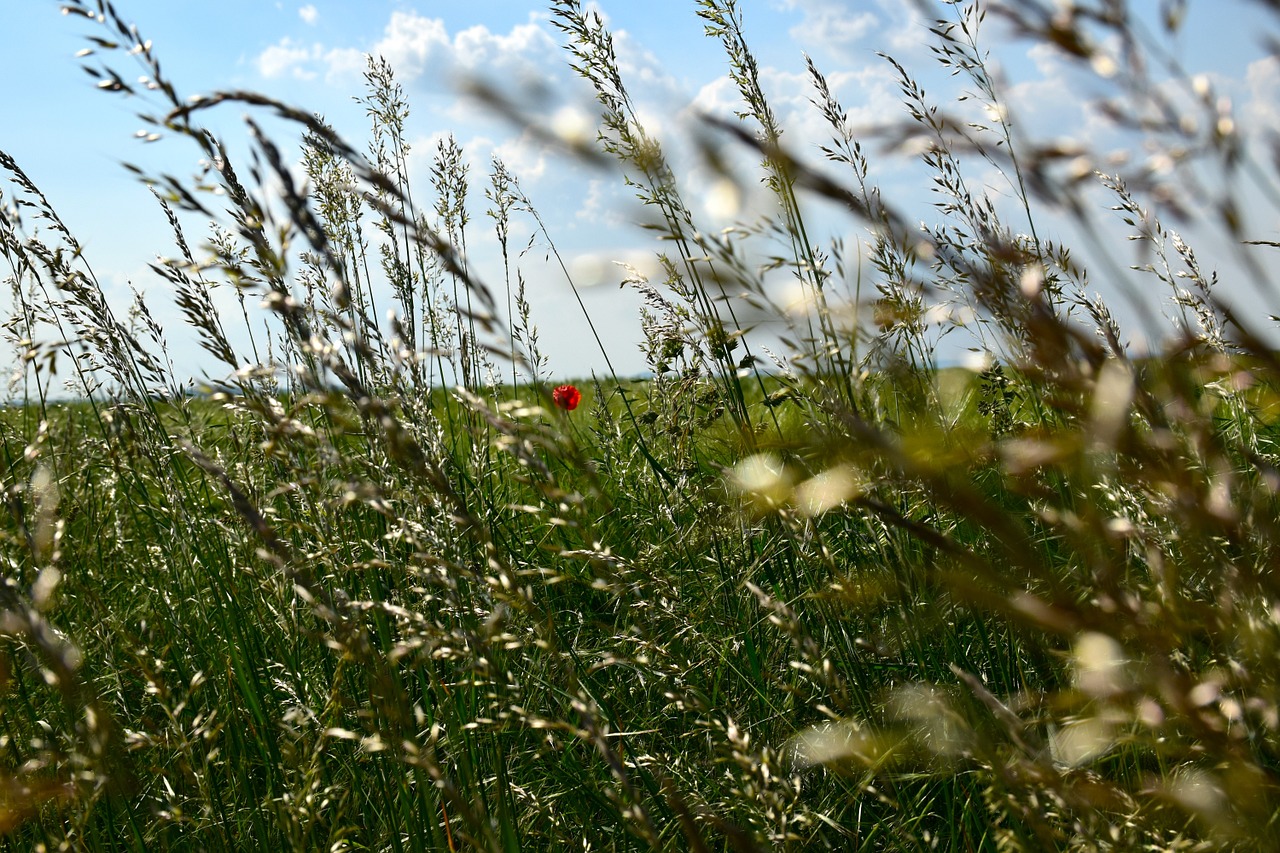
{"points": [[566, 397]]}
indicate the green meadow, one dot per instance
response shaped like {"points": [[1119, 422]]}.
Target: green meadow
{"points": [[381, 587]]}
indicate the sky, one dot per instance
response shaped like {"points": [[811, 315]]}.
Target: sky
{"points": [[72, 139]]}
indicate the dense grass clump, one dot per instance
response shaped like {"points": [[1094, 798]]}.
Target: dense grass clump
{"points": [[379, 588]]}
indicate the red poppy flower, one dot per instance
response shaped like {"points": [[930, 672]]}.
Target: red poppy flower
{"points": [[567, 397]]}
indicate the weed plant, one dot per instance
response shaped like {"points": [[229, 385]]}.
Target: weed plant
{"points": [[374, 591]]}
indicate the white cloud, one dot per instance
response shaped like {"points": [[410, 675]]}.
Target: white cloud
{"points": [[868, 94], [477, 48], [1261, 109], [343, 64], [906, 27], [832, 25], [607, 204], [423, 51], [288, 57], [309, 14], [412, 42], [1061, 105], [589, 210], [284, 57], [522, 154]]}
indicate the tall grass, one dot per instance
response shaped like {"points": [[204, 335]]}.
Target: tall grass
{"points": [[374, 590]]}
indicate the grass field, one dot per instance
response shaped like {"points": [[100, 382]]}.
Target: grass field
{"points": [[382, 590]]}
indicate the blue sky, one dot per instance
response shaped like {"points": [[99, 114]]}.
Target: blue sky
{"points": [[71, 138]]}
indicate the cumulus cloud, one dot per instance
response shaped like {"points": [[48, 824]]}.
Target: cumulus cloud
{"points": [[305, 62], [524, 61], [906, 28], [867, 92], [286, 57], [605, 204], [309, 14], [1261, 108], [415, 45], [422, 50], [831, 25]]}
